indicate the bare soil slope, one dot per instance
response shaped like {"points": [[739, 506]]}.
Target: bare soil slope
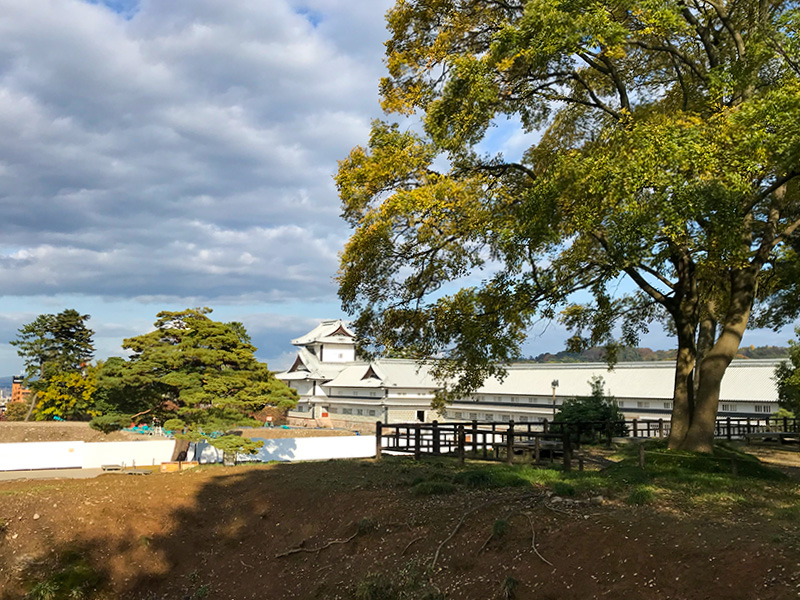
{"points": [[356, 529], [51, 431]]}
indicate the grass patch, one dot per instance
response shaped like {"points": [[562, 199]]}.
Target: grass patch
{"points": [[73, 579], [433, 488], [562, 488], [409, 582], [499, 476], [641, 495]]}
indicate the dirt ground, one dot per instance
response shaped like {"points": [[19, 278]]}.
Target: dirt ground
{"points": [[15, 431], [270, 433], [50, 431], [340, 529]]}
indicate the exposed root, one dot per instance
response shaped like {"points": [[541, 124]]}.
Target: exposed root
{"points": [[411, 543], [325, 545], [533, 540], [455, 531]]}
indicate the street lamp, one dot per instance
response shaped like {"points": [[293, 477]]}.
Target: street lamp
{"points": [[554, 383]]}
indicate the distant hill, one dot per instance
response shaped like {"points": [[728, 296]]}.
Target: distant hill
{"points": [[647, 355], [5, 382]]}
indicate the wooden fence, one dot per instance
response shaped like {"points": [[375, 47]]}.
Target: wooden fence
{"points": [[542, 440], [490, 441]]}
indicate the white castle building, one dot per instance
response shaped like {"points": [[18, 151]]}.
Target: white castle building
{"points": [[338, 390]]}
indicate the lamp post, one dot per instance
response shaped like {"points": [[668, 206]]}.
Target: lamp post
{"points": [[554, 383]]}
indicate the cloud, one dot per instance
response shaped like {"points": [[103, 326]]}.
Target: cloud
{"points": [[176, 149]]}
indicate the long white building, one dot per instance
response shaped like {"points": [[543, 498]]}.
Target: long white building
{"points": [[338, 390]]}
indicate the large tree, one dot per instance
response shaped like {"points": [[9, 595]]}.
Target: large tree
{"points": [[198, 375], [57, 349], [668, 156]]}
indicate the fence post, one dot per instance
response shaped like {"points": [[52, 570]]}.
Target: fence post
{"points": [[378, 440], [785, 424], [417, 441], [728, 428], [461, 443], [475, 437], [748, 425], [641, 456], [661, 428], [635, 430], [536, 448], [567, 451], [510, 442], [436, 444], [546, 426], [610, 431]]}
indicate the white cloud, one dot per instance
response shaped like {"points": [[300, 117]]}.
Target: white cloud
{"points": [[180, 149]]}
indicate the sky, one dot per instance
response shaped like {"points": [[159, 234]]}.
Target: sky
{"points": [[164, 154]]}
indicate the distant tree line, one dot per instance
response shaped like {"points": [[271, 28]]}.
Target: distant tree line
{"points": [[598, 354]]}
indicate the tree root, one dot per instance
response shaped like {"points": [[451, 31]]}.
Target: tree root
{"points": [[411, 543], [325, 545], [455, 531], [533, 540]]}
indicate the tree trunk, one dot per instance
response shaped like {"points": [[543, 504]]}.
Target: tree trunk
{"points": [[682, 394], [31, 406], [700, 437]]}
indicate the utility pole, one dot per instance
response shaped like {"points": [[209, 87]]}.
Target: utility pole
{"points": [[554, 383]]}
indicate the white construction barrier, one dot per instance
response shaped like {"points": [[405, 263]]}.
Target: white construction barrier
{"points": [[18, 456], [127, 454], [28, 456], [291, 449]]}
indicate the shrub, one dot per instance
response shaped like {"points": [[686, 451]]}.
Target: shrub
{"points": [[109, 423], [433, 488], [74, 579], [16, 411], [597, 414], [561, 488], [641, 495]]}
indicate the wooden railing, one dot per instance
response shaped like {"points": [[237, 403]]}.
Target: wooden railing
{"points": [[490, 441], [504, 440]]}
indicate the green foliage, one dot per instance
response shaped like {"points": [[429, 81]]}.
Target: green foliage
{"points": [[235, 444], [500, 527], [196, 374], [16, 411], [74, 579], [508, 589], [787, 379], [409, 582], [561, 488], [109, 423], [68, 395], [433, 488], [641, 495], [115, 394], [597, 413], [663, 159], [54, 344]]}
